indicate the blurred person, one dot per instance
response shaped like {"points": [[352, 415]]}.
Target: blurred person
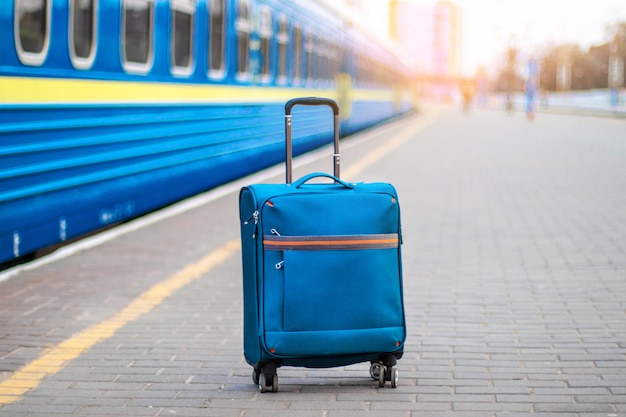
{"points": [[530, 99], [530, 89], [467, 92]]}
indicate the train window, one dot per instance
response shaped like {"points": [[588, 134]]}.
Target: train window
{"points": [[217, 37], [366, 71], [339, 60], [340, 63], [315, 58], [82, 32], [360, 75], [297, 53], [332, 61], [283, 41], [243, 27], [266, 33], [308, 50], [322, 60], [137, 36], [31, 25], [363, 72], [326, 60], [183, 14]]}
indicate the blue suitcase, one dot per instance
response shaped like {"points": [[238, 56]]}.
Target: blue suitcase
{"points": [[322, 275]]}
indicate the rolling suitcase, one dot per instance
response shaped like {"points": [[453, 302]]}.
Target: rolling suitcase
{"points": [[322, 274]]}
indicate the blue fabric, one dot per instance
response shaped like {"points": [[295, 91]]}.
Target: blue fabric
{"points": [[334, 343], [341, 290], [306, 305]]}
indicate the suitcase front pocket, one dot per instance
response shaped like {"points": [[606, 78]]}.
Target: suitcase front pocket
{"points": [[339, 282]]}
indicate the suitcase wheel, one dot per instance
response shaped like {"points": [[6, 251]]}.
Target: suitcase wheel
{"points": [[265, 380], [394, 377], [382, 374], [265, 377], [375, 369]]}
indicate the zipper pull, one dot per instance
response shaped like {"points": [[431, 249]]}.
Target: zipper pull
{"points": [[254, 216]]}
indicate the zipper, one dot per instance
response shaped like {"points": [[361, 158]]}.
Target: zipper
{"points": [[254, 216]]}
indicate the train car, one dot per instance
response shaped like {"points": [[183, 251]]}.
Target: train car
{"points": [[110, 109]]}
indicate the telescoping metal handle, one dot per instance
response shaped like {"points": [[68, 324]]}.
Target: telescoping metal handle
{"points": [[310, 101]]}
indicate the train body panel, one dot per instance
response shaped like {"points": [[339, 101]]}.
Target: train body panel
{"points": [[89, 137]]}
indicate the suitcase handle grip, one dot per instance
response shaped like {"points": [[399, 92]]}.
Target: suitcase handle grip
{"points": [[312, 175], [312, 101]]}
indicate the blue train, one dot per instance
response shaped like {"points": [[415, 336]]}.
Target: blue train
{"points": [[110, 109]]}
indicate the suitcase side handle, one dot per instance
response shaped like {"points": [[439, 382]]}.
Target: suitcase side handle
{"points": [[310, 101], [312, 175]]}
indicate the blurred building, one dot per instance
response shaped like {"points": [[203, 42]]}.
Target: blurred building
{"points": [[429, 33], [431, 36]]}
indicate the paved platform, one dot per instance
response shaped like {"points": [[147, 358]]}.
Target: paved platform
{"points": [[515, 289]]}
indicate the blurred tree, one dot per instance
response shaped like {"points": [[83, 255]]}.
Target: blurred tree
{"points": [[588, 69], [599, 56], [505, 80], [584, 74], [508, 80], [548, 71]]}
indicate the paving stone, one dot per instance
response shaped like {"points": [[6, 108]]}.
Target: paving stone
{"points": [[514, 260]]}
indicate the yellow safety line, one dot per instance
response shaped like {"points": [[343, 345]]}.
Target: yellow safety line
{"points": [[54, 359]]}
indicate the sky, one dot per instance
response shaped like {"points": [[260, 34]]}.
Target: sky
{"points": [[489, 26]]}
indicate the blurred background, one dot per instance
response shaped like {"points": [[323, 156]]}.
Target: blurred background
{"points": [[575, 47], [110, 109]]}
